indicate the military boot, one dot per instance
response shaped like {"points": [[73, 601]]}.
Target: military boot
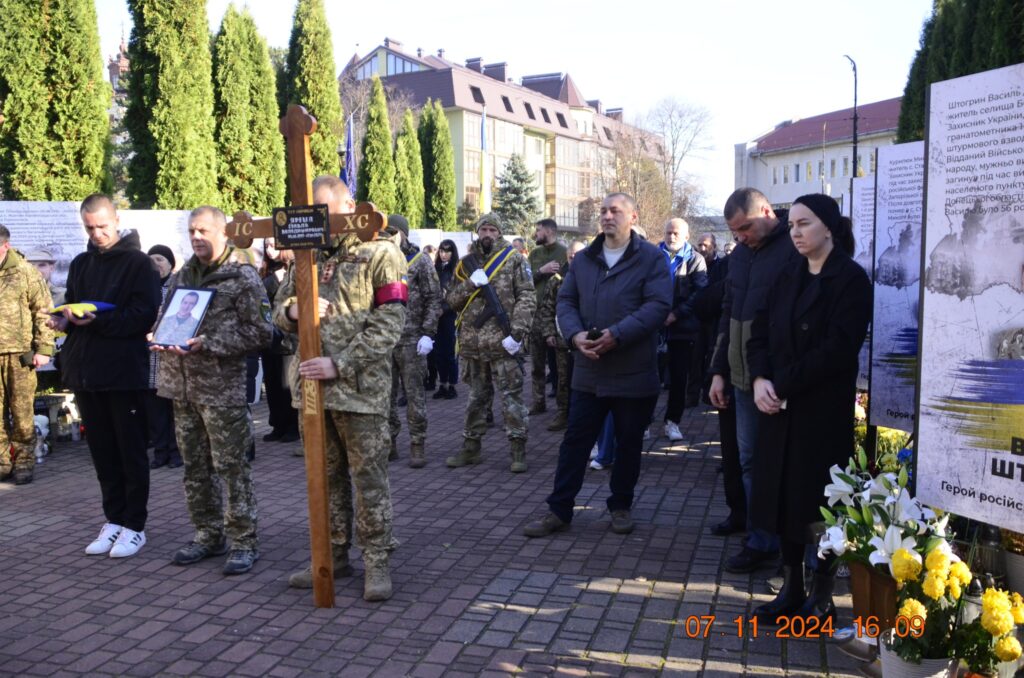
{"points": [[393, 454], [518, 456], [303, 579], [417, 457], [377, 579], [560, 422], [469, 454]]}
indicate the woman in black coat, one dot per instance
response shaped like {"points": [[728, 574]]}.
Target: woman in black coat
{"points": [[803, 357], [444, 348]]}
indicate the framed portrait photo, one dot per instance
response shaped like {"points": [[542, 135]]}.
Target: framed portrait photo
{"points": [[183, 317]]}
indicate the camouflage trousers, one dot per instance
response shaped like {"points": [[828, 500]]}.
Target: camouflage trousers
{"points": [[503, 373], [357, 455], [539, 363], [17, 394], [409, 368], [213, 442], [563, 359]]}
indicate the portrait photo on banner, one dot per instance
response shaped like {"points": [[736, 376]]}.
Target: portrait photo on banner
{"points": [[183, 317]]}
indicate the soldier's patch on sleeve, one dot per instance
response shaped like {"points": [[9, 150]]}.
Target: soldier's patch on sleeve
{"points": [[527, 271], [265, 309]]}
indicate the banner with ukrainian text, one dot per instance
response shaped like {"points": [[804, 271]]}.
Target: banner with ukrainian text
{"points": [[899, 196], [971, 410], [863, 218]]}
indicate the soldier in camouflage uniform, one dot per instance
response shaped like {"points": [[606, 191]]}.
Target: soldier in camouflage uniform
{"points": [[25, 343], [206, 381], [490, 346], [544, 324], [362, 313], [409, 364]]}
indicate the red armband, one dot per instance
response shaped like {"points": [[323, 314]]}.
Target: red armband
{"points": [[392, 293]]}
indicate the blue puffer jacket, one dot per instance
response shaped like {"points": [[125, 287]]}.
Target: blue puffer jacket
{"points": [[632, 300]]}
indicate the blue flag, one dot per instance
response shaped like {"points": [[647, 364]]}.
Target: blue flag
{"points": [[348, 172]]}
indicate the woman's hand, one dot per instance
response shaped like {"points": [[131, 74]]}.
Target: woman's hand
{"points": [[764, 396]]}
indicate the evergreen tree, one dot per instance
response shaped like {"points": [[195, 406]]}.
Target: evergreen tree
{"points": [[250, 149], [441, 203], [409, 172], [940, 52], [911, 122], [964, 17], [171, 106], [54, 140], [425, 134], [467, 214], [279, 60], [516, 196], [376, 174], [1007, 34], [984, 31], [312, 83]]}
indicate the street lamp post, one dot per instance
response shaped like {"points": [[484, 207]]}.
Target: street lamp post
{"points": [[854, 64]]}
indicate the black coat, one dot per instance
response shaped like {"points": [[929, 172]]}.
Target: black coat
{"points": [[110, 353], [806, 342], [689, 282]]}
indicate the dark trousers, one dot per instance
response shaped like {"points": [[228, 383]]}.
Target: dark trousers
{"points": [[587, 414], [115, 429], [732, 472], [444, 350], [160, 422], [282, 416], [678, 369]]}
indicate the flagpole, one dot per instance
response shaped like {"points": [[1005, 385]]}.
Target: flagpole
{"points": [[485, 188]]}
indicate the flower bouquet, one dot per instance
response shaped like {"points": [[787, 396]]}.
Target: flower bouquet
{"points": [[989, 638]]}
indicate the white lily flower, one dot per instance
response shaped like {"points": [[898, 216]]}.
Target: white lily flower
{"points": [[838, 490], [944, 547], [886, 546], [939, 526], [905, 507], [833, 540]]}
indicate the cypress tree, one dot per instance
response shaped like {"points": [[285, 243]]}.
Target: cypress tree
{"points": [[1008, 22], [312, 83], [942, 40], [425, 134], [964, 17], [984, 30], [441, 207], [250, 149], [53, 143], [911, 122], [171, 98], [376, 182], [516, 195], [409, 172]]}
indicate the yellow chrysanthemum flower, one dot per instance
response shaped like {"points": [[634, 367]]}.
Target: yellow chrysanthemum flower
{"points": [[906, 565], [934, 586], [1017, 611], [913, 608], [961, 572], [954, 588], [997, 622], [1007, 649], [937, 562], [994, 600]]}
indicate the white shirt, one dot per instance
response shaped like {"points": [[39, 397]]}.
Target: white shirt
{"points": [[612, 256]]}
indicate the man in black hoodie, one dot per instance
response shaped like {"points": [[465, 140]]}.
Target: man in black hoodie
{"points": [[106, 363]]}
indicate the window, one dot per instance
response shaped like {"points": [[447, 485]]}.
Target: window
{"points": [[810, 176], [368, 69], [874, 158], [478, 96], [846, 167], [538, 145], [561, 120], [860, 162], [821, 170], [796, 173], [544, 114], [775, 176], [529, 111], [397, 64], [785, 174], [508, 104], [608, 133], [832, 168]]}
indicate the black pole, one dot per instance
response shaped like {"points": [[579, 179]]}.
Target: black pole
{"points": [[854, 64]]}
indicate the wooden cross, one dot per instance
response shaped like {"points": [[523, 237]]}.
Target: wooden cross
{"points": [[297, 126]]}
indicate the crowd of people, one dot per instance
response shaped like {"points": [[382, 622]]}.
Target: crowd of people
{"points": [[768, 336]]}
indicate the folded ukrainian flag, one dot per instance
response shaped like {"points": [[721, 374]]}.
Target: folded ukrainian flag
{"points": [[82, 307]]}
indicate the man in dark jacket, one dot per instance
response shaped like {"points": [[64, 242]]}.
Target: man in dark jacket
{"points": [[764, 249], [106, 363], [611, 305], [682, 328]]}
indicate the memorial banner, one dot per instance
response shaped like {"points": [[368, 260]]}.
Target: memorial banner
{"points": [[863, 209], [970, 447], [899, 197]]}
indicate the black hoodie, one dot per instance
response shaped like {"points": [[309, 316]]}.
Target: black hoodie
{"points": [[110, 353]]}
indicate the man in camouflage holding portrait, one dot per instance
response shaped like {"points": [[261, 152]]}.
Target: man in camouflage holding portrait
{"points": [[206, 381], [362, 313], [485, 344], [409, 365]]}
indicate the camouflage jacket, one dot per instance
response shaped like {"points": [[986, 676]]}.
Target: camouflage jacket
{"points": [[24, 302], [424, 307], [544, 322], [357, 332], [236, 323], [513, 283]]}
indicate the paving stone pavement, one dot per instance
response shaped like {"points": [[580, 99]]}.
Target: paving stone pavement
{"points": [[472, 595]]}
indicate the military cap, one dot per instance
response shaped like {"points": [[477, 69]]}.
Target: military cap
{"points": [[40, 254], [397, 222], [490, 218]]}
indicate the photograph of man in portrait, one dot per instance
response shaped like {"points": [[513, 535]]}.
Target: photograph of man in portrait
{"points": [[184, 315]]}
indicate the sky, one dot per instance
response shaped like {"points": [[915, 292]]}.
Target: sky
{"points": [[751, 63]]}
